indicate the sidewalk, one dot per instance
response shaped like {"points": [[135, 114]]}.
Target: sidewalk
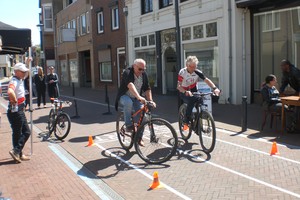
{"points": [[46, 176]]}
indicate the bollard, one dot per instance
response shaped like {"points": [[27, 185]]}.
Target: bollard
{"points": [[75, 102], [107, 101], [73, 89], [244, 113]]}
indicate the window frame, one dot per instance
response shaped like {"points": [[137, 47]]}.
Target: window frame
{"points": [[100, 22], [45, 19], [143, 8], [115, 19], [168, 3], [100, 71], [83, 19]]}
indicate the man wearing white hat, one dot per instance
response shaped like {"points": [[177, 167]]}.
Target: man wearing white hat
{"points": [[15, 112]]}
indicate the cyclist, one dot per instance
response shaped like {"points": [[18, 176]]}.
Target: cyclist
{"points": [[187, 82], [130, 94]]}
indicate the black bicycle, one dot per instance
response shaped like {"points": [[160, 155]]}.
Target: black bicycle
{"points": [[59, 122], [158, 135], [201, 122]]}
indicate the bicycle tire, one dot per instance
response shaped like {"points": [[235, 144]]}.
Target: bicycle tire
{"points": [[159, 148], [207, 131], [125, 140], [184, 134], [51, 120], [62, 126]]}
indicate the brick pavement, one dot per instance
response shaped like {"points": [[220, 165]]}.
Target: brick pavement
{"points": [[62, 183]]}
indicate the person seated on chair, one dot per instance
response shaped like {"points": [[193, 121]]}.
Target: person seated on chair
{"points": [[270, 95]]}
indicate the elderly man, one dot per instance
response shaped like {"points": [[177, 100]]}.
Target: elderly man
{"points": [[187, 82], [134, 83], [15, 112]]}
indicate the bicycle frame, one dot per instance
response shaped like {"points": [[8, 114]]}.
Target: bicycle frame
{"points": [[143, 110]]}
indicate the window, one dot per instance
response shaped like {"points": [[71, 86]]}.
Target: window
{"points": [[151, 39], [211, 29], [78, 26], [299, 16], [82, 25], [73, 24], [147, 6], [198, 31], [136, 42], [48, 24], [115, 18], [181, 1], [270, 21], [105, 71], [165, 3], [87, 22], [186, 33], [144, 41], [100, 22]]}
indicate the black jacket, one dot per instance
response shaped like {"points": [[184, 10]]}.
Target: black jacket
{"points": [[292, 77], [127, 77], [270, 96]]}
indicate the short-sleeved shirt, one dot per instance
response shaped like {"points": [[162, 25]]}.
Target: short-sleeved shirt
{"points": [[17, 85], [189, 80]]}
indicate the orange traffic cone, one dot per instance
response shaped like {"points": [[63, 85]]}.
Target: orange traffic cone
{"points": [[274, 150], [91, 142], [155, 184]]}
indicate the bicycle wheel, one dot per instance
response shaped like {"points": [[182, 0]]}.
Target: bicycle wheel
{"points": [[125, 139], [160, 141], [62, 126], [51, 120], [207, 131], [185, 134]]}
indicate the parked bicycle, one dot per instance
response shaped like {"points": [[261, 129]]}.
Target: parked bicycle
{"points": [[59, 122], [159, 136], [202, 123]]}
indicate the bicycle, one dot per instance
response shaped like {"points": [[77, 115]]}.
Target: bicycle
{"points": [[59, 121], [202, 123], [160, 138]]}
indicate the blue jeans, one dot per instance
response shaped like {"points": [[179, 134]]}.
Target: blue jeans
{"points": [[190, 101], [20, 129], [129, 103]]}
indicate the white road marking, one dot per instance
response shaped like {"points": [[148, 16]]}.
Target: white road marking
{"points": [[243, 175], [255, 150], [142, 172]]}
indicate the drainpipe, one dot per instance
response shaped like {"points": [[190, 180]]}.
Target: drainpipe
{"points": [[230, 49]]}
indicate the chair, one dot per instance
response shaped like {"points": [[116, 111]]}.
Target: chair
{"points": [[273, 114]]}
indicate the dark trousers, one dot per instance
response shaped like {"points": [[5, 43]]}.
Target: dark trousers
{"points": [[41, 95], [20, 129], [190, 101]]}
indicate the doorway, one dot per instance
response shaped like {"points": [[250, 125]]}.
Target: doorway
{"points": [[170, 75], [121, 63], [87, 76]]}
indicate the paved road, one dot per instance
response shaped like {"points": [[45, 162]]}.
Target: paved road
{"points": [[239, 168]]}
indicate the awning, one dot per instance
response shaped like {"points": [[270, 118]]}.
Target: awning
{"points": [[14, 40], [272, 4]]}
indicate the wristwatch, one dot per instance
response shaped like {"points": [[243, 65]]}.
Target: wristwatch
{"points": [[214, 88]]}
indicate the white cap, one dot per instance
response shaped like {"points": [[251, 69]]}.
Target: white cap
{"points": [[21, 67]]}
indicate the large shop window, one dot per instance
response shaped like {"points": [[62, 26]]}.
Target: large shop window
{"points": [[208, 56], [151, 68], [276, 37]]}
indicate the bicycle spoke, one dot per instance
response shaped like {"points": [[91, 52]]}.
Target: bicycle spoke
{"points": [[159, 140], [208, 132]]}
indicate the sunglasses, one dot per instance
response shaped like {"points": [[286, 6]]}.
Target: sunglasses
{"points": [[141, 69]]}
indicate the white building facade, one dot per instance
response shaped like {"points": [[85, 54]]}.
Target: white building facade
{"points": [[215, 31]]}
